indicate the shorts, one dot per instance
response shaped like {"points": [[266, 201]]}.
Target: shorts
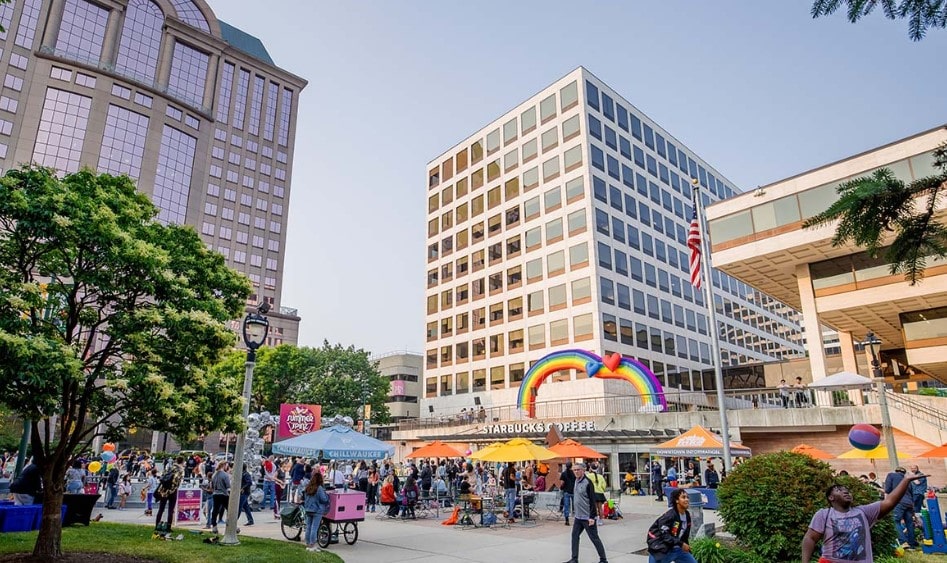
{"points": [[599, 497]]}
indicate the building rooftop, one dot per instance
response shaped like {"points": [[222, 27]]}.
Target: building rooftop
{"points": [[243, 41]]}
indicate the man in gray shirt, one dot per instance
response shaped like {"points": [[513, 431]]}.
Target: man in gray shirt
{"points": [[585, 514]]}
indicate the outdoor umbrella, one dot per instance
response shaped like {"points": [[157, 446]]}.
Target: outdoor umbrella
{"points": [[517, 449], [880, 452], [335, 442], [569, 449], [813, 452], [939, 451], [436, 449]]}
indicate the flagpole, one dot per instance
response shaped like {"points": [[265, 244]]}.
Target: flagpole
{"points": [[705, 269]]}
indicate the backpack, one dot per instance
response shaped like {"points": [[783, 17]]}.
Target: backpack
{"points": [[167, 480], [489, 518]]}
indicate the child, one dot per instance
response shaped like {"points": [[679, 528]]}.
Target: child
{"points": [[151, 486], [124, 491]]}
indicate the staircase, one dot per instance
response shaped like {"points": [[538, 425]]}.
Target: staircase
{"points": [[922, 417]]}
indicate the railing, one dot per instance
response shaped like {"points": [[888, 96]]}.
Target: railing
{"points": [[677, 401], [917, 409]]}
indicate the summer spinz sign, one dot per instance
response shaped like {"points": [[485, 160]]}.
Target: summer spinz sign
{"points": [[296, 420]]}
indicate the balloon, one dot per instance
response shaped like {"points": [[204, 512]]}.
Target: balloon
{"points": [[108, 447], [864, 437], [468, 452], [95, 466], [107, 456]]}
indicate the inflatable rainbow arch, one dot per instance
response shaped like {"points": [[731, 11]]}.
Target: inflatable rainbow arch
{"points": [[611, 367]]}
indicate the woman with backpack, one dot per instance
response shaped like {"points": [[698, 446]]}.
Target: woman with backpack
{"points": [[167, 494], [410, 495], [315, 503]]}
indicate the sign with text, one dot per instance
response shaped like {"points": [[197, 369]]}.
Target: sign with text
{"points": [[296, 420], [189, 505], [538, 427]]}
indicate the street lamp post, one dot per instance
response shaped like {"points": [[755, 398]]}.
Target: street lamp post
{"points": [[873, 345], [255, 328]]}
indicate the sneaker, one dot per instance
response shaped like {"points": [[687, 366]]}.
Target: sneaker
{"points": [[567, 521], [315, 548], [249, 524], [214, 531]]}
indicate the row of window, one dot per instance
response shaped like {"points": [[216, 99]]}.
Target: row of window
{"points": [[536, 302], [628, 122], [511, 131], [552, 201]]}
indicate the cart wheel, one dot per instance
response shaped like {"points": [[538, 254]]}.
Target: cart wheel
{"points": [[291, 531], [323, 536], [350, 531]]}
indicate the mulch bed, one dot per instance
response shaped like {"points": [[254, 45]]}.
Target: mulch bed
{"points": [[74, 558]]}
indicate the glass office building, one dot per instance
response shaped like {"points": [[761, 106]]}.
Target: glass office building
{"points": [[563, 224], [192, 109]]}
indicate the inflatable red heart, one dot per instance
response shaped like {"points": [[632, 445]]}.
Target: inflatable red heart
{"points": [[612, 361]]}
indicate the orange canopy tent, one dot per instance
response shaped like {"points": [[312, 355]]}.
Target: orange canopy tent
{"points": [[813, 452], [698, 442], [569, 449], [939, 451], [436, 449]]}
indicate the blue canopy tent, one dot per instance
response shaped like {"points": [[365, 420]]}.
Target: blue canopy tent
{"points": [[335, 442]]}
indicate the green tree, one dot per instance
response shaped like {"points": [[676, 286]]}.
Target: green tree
{"points": [[876, 209], [921, 14], [108, 319], [336, 377]]}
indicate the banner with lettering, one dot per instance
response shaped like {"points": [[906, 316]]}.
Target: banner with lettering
{"points": [[295, 420]]}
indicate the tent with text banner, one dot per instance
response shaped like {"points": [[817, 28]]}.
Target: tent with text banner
{"points": [[335, 442], [698, 442]]}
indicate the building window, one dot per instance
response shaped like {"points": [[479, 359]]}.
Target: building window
{"points": [[188, 74], [63, 127], [173, 179], [82, 31], [27, 28], [123, 144]]}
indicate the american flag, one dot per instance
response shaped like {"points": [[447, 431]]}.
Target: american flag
{"points": [[693, 243]]}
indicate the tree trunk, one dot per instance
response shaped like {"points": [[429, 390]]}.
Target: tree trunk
{"points": [[49, 541]]}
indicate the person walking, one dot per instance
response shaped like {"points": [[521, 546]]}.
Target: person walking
{"points": [[315, 503], [111, 491], [167, 493], [669, 534], [904, 508], [846, 528], [567, 486], [586, 515], [151, 485], [220, 483], [918, 489], [657, 480], [509, 491], [268, 468], [246, 482]]}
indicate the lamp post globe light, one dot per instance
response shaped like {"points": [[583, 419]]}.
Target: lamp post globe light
{"points": [[873, 345], [255, 328]]}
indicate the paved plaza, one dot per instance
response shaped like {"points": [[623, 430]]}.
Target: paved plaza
{"points": [[427, 541]]}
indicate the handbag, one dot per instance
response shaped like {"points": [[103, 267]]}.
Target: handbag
{"points": [[143, 494]]}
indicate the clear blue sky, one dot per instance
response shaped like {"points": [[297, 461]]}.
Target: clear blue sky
{"points": [[758, 89]]}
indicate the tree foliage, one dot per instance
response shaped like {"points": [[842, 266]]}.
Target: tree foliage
{"points": [[880, 209], [921, 14], [768, 501], [108, 319], [336, 377]]}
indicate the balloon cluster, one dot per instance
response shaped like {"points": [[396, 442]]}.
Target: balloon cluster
{"points": [[253, 446], [337, 420]]}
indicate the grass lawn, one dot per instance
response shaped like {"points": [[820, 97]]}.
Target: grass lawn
{"points": [[918, 557], [132, 540]]}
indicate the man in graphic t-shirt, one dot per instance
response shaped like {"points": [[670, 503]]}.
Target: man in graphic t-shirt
{"points": [[847, 528]]}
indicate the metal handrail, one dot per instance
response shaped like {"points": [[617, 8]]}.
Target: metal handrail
{"points": [[917, 409]]}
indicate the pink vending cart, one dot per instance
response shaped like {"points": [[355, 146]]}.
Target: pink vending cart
{"points": [[346, 510]]}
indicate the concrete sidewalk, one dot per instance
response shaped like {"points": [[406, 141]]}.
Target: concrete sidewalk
{"points": [[427, 541]]}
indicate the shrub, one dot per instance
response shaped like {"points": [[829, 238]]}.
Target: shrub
{"points": [[712, 550], [768, 501]]}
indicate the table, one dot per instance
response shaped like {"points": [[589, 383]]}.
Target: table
{"points": [[78, 508], [468, 501]]}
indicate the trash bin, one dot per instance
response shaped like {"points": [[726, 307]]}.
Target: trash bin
{"points": [[697, 513]]}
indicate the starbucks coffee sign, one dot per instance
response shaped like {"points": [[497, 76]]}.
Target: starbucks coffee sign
{"points": [[538, 427]]}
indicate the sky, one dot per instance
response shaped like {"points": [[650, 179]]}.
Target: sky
{"points": [[760, 90]]}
